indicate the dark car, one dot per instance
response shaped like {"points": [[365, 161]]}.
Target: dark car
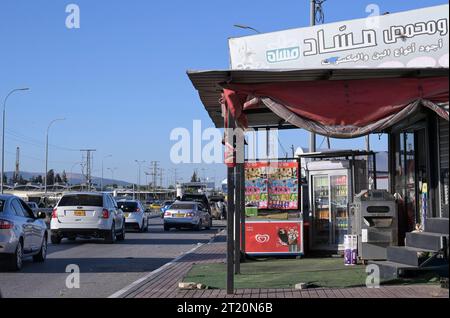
{"points": [[202, 198]]}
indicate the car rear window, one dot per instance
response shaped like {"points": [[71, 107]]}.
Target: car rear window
{"points": [[2, 204], [128, 206], [182, 206], [81, 200]]}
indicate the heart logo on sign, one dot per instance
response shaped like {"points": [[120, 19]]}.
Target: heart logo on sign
{"points": [[262, 238]]}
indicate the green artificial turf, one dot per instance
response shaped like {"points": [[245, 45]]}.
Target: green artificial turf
{"points": [[281, 273], [286, 273]]}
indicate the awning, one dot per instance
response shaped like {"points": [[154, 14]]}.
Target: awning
{"points": [[337, 103]]}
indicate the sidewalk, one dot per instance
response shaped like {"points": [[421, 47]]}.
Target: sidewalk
{"points": [[163, 283]]}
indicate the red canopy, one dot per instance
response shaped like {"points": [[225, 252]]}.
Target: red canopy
{"points": [[342, 108]]}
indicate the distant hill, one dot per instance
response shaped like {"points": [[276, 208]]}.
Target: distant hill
{"points": [[74, 178]]}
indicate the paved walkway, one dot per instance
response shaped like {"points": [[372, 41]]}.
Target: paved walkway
{"points": [[163, 283]]}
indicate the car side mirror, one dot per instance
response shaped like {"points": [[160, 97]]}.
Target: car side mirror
{"points": [[42, 215]]}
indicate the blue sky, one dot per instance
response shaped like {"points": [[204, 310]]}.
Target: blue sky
{"points": [[120, 79]]}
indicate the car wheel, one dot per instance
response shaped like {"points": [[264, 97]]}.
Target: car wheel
{"points": [[42, 255], [166, 228], [55, 239], [16, 261], [145, 229], [198, 226], [121, 236], [209, 226], [110, 236]]}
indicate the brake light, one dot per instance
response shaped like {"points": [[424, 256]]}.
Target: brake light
{"points": [[167, 214], [105, 214], [190, 214], [138, 210], [55, 214], [6, 225]]}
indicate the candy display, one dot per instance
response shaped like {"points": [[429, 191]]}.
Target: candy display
{"points": [[273, 186]]}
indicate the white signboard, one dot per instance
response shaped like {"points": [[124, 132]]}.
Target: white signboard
{"points": [[417, 38]]}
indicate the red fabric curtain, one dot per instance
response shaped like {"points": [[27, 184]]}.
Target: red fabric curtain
{"points": [[342, 109]]}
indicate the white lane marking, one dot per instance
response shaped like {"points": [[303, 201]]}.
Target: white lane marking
{"points": [[156, 271]]}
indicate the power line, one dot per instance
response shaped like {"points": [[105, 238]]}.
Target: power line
{"points": [[32, 141]]}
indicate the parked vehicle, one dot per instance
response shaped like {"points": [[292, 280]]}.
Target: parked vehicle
{"points": [[33, 205], [22, 234], [135, 213], [193, 215], [87, 215], [218, 208], [165, 206], [155, 205]]}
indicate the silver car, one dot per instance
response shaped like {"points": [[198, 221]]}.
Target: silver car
{"points": [[184, 214], [22, 234]]}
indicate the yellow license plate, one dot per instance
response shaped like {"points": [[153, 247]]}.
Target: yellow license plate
{"points": [[79, 213], [179, 215]]}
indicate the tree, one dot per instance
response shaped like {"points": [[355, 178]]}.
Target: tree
{"points": [[195, 177], [51, 177], [64, 177], [39, 179], [58, 179], [21, 180]]}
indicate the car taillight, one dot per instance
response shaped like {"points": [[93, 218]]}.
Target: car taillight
{"points": [[167, 214], [138, 210], [190, 214], [6, 225], [105, 214], [55, 214]]}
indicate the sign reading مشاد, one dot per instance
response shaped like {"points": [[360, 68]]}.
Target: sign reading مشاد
{"points": [[417, 38]]}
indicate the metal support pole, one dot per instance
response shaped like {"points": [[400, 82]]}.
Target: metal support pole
{"points": [[375, 182], [230, 233], [368, 159], [237, 221], [230, 212], [242, 169]]}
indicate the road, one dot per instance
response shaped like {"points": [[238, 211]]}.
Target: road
{"points": [[104, 269]]}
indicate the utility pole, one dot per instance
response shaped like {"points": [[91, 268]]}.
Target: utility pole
{"points": [[312, 136], [161, 173], [316, 7], [154, 166], [89, 160]]}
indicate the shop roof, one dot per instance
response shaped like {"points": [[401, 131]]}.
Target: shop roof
{"points": [[337, 154], [207, 83]]}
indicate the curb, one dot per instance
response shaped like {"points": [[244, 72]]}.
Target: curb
{"points": [[127, 289]]}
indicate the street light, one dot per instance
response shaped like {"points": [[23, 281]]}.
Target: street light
{"points": [[112, 174], [246, 27], [46, 151], [108, 156], [71, 170], [3, 135], [139, 163]]}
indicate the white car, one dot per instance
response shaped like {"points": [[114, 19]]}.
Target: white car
{"points": [[135, 216], [87, 215]]}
